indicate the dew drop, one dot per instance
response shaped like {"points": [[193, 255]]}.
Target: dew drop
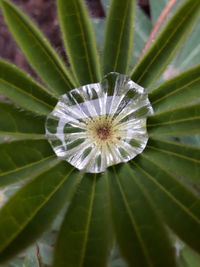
{"points": [[100, 124]]}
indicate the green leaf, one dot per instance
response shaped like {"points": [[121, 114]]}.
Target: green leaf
{"points": [[150, 67], [176, 158], [136, 223], [84, 236], [189, 256], [22, 159], [142, 27], [99, 27], [118, 36], [189, 54], [19, 123], [23, 90], [178, 206], [15, 263], [22, 207], [176, 92], [106, 5], [44, 217], [28, 171], [37, 49], [191, 140], [156, 8], [178, 121], [79, 40]]}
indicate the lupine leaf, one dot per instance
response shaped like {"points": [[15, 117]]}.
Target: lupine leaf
{"points": [[37, 49], [191, 140], [22, 159], [19, 123], [176, 158], [43, 218], [105, 4], [28, 171], [136, 224], [22, 207], [189, 54], [166, 45], [142, 27], [176, 92], [156, 7], [23, 90], [99, 27], [190, 258], [84, 238], [79, 40], [179, 207], [118, 36], [178, 121]]}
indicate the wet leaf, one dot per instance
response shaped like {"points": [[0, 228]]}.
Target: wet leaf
{"points": [[137, 228], [179, 207], [174, 122], [118, 38], [24, 91], [22, 207], [37, 49], [151, 66], [84, 236], [79, 41]]}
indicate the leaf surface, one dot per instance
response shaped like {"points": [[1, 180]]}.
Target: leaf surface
{"points": [[190, 257], [137, 225], [176, 92], [22, 159], [150, 67], [176, 158], [99, 27], [142, 27], [24, 91], [156, 8], [37, 49], [174, 122], [22, 207], [179, 207], [118, 37], [79, 40], [84, 238], [19, 123], [43, 218], [189, 54], [191, 140]]}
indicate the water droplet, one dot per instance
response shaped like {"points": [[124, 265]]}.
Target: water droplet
{"points": [[2, 197], [101, 124]]}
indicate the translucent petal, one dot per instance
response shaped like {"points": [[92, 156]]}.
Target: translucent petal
{"points": [[100, 124]]}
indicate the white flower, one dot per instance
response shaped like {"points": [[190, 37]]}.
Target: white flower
{"points": [[100, 124]]}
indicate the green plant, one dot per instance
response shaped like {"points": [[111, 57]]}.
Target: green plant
{"points": [[131, 204]]}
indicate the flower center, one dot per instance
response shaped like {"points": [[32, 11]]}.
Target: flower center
{"points": [[103, 132]]}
